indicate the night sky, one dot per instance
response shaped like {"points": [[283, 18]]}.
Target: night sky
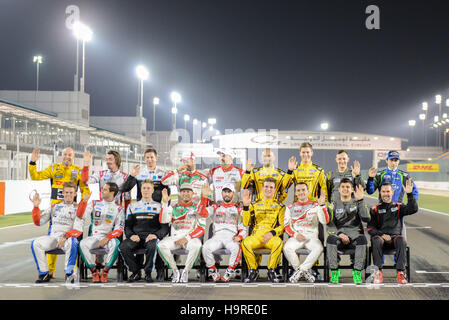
{"points": [[250, 64]]}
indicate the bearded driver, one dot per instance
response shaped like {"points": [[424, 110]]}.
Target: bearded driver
{"points": [[59, 174], [254, 177], [228, 231], [187, 174], [266, 219], [112, 174], [224, 174]]}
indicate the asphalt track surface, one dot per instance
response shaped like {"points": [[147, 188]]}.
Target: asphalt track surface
{"points": [[426, 235]]}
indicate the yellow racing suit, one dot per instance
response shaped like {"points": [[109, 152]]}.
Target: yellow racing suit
{"points": [[263, 216], [313, 175], [256, 177], [58, 175]]}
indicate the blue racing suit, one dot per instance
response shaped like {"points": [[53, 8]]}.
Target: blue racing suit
{"points": [[397, 178]]}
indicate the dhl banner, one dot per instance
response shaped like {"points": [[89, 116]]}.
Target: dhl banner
{"points": [[423, 167]]}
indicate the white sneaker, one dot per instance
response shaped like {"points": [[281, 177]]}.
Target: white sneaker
{"points": [[184, 276], [296, 276], [175, 276], [230, 273], [308, 276], [214, 274]]}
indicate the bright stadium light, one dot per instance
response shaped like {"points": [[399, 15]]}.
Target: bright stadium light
{"points": [[143, 74], [186, 119], [195, 122], [175, 97], [37, 60], [438, 99], [435, 119], [85, 34], [412, 123], [212, 121], [444, 115], [204, 125], [425, 106], [324, 126], [422, 116], [156, 101], [447, 102]]}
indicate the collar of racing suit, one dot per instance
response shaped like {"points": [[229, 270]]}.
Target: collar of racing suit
{"points": [[227, 169], [188, 204], [227, 205], [304, 203]]}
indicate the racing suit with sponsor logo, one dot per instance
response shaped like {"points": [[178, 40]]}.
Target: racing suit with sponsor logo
{"points": [[397, 178], [58, 174], [104, 176], [346, 218], [304, 218], [155, 175], [63, 222], [333, 182], [387, 218], [313, 175], [263, 216], [220, 176], [107, 221], [143, 219], [195, 178], [254, 179], [227, 224], [186, 222]]}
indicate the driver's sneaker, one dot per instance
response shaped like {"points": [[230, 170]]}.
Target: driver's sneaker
{"points": [[401, 277], [228, 275], [308, 276], [214, 274], [184, 278], [335, 276], [379, 277], [175, 276], [297, 274], [357, 276], [43, 278]]}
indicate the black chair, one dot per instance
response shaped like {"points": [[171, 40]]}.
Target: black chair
{"points": [[392, 252], [286, 266]]}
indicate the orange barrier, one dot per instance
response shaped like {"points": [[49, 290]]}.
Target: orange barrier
{"points": [[2, 198]]}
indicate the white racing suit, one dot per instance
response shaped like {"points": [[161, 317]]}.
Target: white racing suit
{"points": [[219, 176], [227, 223], [107, 221], [186, 222], [63, 221], [303, 218]]}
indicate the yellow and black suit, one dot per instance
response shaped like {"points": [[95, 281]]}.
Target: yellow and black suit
{"points": [[58, 175], [256, 177], [313, 175], [263, 216]]}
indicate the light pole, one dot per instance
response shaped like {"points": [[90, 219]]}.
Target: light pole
{"points": [[437, 128], [155, 103], [38, 61], [83, 33], [411, 123], [422, 116], [143, 74], [438, 101], [175, 98], [186, 119]]}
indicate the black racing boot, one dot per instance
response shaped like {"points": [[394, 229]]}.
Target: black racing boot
{"points": [[160, 275], [252, 276], [272, 276], [135, 277], [148, 278], [43, 278]]}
